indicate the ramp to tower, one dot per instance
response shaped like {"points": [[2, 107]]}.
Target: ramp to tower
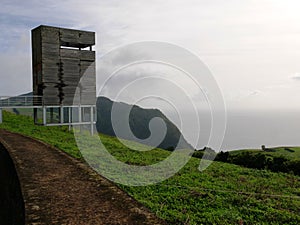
{"points": [[58, 189]]}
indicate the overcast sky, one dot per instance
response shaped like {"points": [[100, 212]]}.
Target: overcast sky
{"points": [[252, 47]]}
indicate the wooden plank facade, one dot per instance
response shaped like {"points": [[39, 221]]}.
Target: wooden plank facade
{"points": [[61, 58]]}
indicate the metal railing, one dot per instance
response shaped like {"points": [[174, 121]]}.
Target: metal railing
{"points": [[20, 101]]}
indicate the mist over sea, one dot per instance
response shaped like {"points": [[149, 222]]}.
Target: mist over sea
{"points": [[256, 128], [251, 129]]}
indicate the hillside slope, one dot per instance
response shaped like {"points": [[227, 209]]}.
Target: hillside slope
{"points": [[139, 120], [222, 194]]}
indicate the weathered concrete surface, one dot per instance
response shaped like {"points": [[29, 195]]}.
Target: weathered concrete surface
{"points": [[11, 200], [58, 189], [58, 70]]}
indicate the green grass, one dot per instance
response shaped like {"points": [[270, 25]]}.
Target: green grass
{"points": [[222, 194], [287, 152]]}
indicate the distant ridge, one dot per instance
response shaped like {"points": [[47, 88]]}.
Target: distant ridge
{"points": [[139, 119]]}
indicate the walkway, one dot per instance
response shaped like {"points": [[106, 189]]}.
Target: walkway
{"points": [[58, 189]]}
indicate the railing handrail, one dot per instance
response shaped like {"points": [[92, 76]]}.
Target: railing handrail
{"points": [[29, 100], [20, 96]]}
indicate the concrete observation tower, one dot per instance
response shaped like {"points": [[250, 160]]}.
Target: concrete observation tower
{"points": [[63, 63]]}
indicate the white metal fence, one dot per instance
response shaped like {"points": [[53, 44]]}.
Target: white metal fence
{"points": [[20, 101]]}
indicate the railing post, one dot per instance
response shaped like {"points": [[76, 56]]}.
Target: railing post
{"points": [[61, 114], [80, 118], [69, 111], [44, 115], [79, 114], [92, 120]]}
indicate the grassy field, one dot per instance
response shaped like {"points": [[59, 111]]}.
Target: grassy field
{"points": [[287, 152], [222, 194]]}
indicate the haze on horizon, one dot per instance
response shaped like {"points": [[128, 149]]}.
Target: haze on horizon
{"points": [[252, 48]]}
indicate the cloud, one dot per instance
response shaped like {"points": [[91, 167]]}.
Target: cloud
{"points": [[243, 42], [148, 78], [15, 74], [296, 76]]}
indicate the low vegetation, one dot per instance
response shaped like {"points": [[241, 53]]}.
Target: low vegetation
{"points": [[222, 194], [284, 159]]}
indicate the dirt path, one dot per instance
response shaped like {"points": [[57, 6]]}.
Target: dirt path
{"points": [[58, 189]]}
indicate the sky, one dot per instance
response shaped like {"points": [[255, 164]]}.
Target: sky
{"points": [[251, 47]]}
